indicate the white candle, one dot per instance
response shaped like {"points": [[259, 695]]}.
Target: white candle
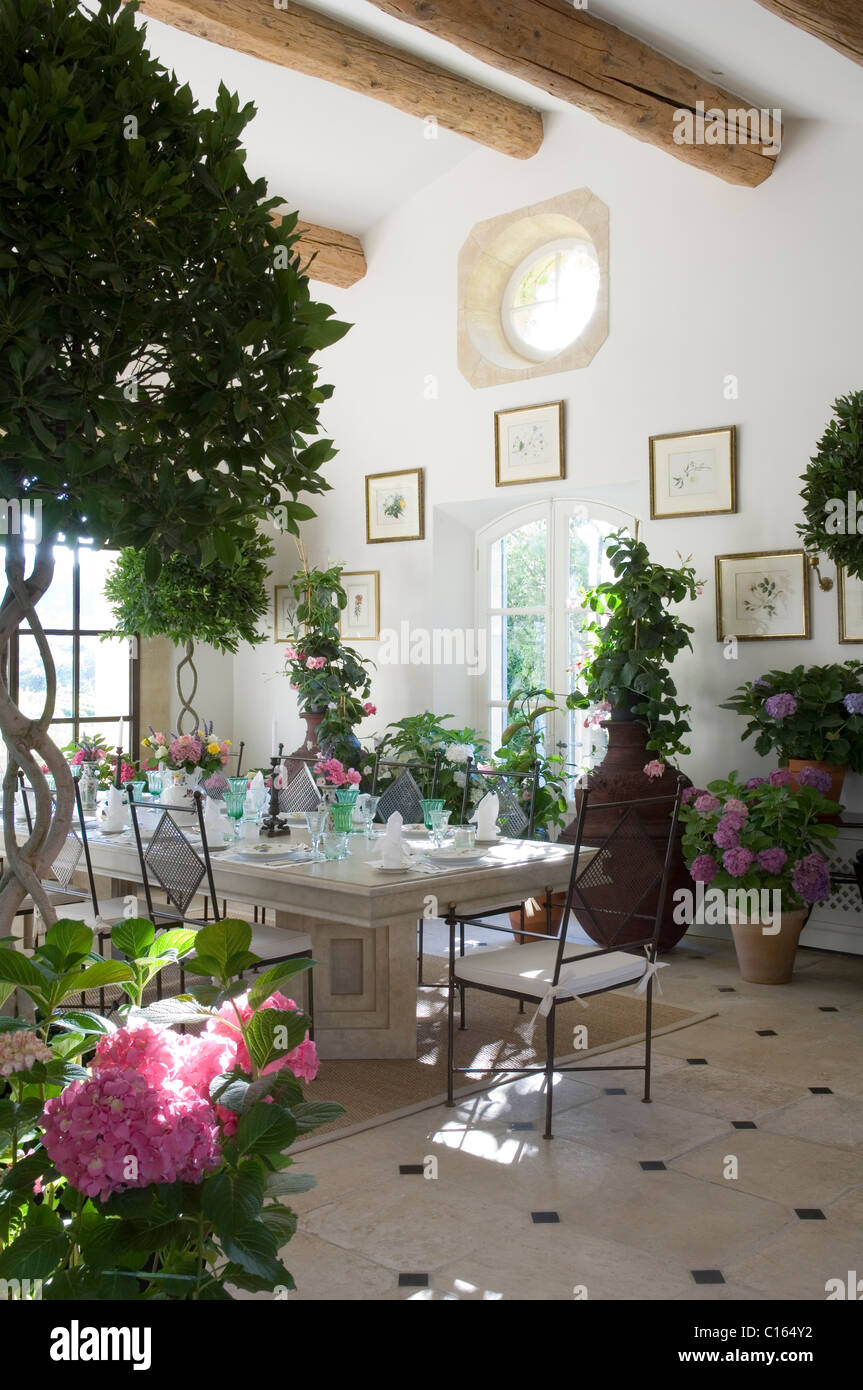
{"points": [[120, 732]]}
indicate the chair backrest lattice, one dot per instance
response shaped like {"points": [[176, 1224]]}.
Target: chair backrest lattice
{"points": [[516, 793], [402, 795], [170, 859], [301, 793]]}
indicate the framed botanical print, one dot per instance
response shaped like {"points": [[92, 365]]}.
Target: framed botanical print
{"points": [[762, 595], [528, 444], [849, 592], [360, 620], [283, 612], [693, 474], [394, 506]]}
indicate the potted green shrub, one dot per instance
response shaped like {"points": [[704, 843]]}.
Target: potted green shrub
{"points": [[220, 604], [835, 471], [158, 388], [332, 680], [762, 836], [420, 739], [809, 715]]}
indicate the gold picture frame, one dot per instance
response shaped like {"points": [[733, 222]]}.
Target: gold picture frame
{"points": [[370, 630], [676, 481], [850, 613], [545, 423], [382, 495], [282, 628], [755, 588]]}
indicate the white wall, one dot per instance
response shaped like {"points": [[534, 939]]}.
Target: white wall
{"points": [[706, 280]]}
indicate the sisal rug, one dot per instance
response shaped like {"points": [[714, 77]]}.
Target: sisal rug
{"points": [[375, 1091]]}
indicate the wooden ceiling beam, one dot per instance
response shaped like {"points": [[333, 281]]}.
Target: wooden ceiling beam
{"points": [[311, 43], [838, 23], [337, 258], [584, 60]]}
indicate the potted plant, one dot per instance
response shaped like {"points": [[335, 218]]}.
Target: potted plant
{"points": [[626, 681], [422, 738], [95, 766], [221, 603], [332, 680], [836, 472], [140, 1164], [158, 381], [809, 715], [762, 836]]}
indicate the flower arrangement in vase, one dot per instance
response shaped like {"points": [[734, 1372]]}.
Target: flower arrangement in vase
{"points": [[139, 1163], [762, 836], [808, 715], [189, 758], [91, 754]]}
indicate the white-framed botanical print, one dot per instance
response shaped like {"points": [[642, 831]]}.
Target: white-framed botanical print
{"points": [[284, 605], [360, 619], [528, 444], [849, 593], [693, 474], [394, 506], [762, 595]]}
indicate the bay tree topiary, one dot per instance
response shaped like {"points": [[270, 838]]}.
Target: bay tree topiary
{"points": [[830, 524], [158, 388], [220, 604]]}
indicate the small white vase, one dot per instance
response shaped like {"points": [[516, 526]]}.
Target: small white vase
{"points": [[180, 787]]}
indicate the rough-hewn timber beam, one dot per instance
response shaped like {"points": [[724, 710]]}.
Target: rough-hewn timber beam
{"points": [[837, 22], [308, 42], [585, 60], [339, 258]]}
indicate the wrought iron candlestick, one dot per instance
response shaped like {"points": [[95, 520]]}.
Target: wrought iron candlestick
{"points": [[274, 823]]}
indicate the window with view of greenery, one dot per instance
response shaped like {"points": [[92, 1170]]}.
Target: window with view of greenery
{"points": [[96, 675], [536, 567]]}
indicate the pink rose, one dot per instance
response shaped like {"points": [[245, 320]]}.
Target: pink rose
{"points": [[369, 708], [353, 777], [654, 768]]}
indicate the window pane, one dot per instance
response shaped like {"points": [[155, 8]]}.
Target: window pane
{"points": [[31, 675], [518, 567], [517, 653], [104, 677], [95, 611], [55, 605]]}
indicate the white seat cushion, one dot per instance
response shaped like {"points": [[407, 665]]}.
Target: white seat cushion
{"points": [[111, 911], [528, 970], [271, 943]]}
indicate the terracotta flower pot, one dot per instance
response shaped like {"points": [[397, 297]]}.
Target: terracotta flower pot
{"points": [[535, 919], [835, 771], [767, 959]]}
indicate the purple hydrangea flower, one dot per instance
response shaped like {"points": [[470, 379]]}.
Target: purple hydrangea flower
{"points": [[704, 869], [725, 835], [814, 777], [772, 861], [754, 782], [705, 802], [811, 879], [780, 706], [854, 702], [735, 807], [738, 861], [691, 793], [761, 682], [780, 777]]}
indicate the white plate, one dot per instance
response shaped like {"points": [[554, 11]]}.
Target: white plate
{"points": [[456, 856], [103, 830], [263, 854], [403, 868]]}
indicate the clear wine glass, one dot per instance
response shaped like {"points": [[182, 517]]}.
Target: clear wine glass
{"points": [[316, 823]]}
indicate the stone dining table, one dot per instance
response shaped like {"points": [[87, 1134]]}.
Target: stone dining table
{"points": [[363, 922]]}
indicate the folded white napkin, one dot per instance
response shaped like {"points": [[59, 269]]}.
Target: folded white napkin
{"points": [[389, 850], [114, 815], [214, 823], [485, 817], [258, 791]]}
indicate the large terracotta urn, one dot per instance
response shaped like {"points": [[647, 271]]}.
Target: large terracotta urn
{"points": [[309, 748], [621, 777]]}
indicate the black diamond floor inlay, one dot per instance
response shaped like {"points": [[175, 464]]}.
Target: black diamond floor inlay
{"points": [[827, 1009], [411, 1170], [544, 1218], [413, 1281], [708, 1276], [614, 1091], [743, 1124], [651, 1165], [696, 1061], [821, 1090], [523, 1124], [726, 989], [810, 1213], [766, 1032]]}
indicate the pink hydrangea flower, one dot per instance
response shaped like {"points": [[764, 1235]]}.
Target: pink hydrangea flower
{"points": [[780, 777], [706, 803], [704, 868], [21, 1050], [735, 807], [737, 861], [654, 768], [225, 1026], [353, 776], [186, 749]]}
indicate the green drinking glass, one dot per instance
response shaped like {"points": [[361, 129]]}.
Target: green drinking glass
{"points": [[234, 806], [429, 805], [237, 785], [346, 796], [342, 817]]}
